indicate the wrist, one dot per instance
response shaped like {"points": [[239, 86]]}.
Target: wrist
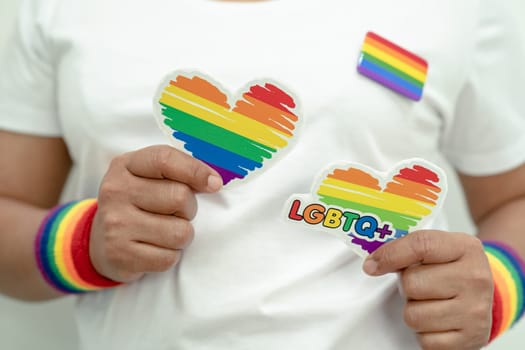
{"points": [[62, 249], [508, 271]]}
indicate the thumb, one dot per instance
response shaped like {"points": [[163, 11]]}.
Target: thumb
{"points": [[165, 162], [213, 182], [199, 176]]}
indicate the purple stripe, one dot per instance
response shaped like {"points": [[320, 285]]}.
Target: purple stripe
{"points": [[391, 85], [226, 175], [509, 250], [367, 246]]}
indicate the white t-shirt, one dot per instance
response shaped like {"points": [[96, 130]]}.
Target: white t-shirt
{"points": [[87, 71]]}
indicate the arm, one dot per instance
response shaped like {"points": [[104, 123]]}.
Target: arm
{"points": [[446, 276], [145, 204], [497, 206], [33, 172]]}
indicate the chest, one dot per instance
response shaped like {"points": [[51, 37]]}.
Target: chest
{"points": [[114, 54]]}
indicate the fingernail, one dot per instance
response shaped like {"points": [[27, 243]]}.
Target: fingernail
{"points": [[214, 183], [370, 266]]}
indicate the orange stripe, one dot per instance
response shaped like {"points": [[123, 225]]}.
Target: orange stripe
{"points": [[264, 113], [357, 177], [202, 88], [396, 54], [411, 189], [280, 112]]}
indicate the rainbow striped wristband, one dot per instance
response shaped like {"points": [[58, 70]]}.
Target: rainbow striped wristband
{"points": [[62, 249], [508, 271]]}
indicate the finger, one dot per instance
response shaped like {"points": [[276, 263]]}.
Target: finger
{"points": [[442, 341], [165, 162], [163, 231], [434, 315], [164, 197], [424, 247], [430, 282], [135, 259], [149, 258]]}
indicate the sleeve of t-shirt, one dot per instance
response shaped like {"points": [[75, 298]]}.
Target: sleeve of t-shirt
{"points": [[27, 74], [487, 134]]}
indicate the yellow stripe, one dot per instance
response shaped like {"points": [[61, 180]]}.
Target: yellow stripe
{"points": [[222, 117], [59, 250], [391, 60], [498, 267], [374, 198]]}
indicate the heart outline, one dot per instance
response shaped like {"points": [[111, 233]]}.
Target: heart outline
{"points": [[358, 244], [254, 137]]}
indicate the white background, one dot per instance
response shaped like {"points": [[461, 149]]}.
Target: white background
{"points": [[50, 326]]}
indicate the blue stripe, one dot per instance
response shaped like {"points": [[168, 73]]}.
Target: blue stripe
{"points": [[400, 233], [218, 156], [47, 253], [391, 77]]}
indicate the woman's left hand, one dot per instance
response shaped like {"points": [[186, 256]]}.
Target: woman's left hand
{"points": [[448, 285]]}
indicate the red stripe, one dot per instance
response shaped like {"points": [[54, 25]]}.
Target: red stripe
{"points": [[273, 96], [497, 313], [420, 174], [397, 48], [80, 250]]}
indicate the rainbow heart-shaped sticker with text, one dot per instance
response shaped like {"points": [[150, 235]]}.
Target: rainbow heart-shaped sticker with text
{"points": [[195, 112], [367, 208]]}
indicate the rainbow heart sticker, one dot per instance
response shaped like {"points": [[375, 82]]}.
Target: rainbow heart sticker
{"points": [[367, 208], [194, 111]]}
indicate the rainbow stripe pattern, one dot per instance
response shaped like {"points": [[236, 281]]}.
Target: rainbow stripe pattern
{"points": [[508, 271], [413, 193], [233, 141], [62, 249], [392, 66]]}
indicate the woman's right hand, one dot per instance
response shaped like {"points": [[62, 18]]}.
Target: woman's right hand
{"points": [[145, 205]]}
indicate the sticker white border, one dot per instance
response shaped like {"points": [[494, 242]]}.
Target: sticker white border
{"points": [[383, 178], [231, 99]]}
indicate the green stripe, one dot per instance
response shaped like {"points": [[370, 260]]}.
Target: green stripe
{"points": [[215, 135], [515, 276], [400, 221], [50, 248], [393, 69]]}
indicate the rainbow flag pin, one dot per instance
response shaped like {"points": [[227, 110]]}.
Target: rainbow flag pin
{"points": [[392, 66]]}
